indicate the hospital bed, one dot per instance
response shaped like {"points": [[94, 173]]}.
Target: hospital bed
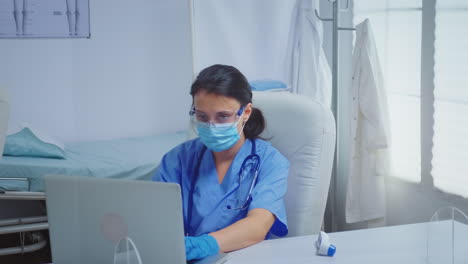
{"points": [[130, 158], [21, 178]]}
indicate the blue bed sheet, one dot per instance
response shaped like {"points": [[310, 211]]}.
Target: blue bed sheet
{"points": [[130, 158]]}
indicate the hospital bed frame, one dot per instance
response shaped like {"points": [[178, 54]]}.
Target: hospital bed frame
{"points": [[27, 227]]}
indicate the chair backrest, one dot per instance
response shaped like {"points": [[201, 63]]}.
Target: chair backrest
{"points": [[4, 114], [303, 130]]}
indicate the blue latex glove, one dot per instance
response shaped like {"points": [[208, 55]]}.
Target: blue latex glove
{"points": [[200, 247]]}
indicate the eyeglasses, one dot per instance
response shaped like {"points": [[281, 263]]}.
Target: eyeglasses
{"points": [[221, 119]]}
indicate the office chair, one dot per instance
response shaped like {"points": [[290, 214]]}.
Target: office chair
{"points": [[303, 130]]}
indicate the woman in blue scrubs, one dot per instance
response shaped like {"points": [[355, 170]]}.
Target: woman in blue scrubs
{"points": [[232, 182]]}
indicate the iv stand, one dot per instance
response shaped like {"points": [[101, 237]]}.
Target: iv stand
{"points": [[335, 100]]}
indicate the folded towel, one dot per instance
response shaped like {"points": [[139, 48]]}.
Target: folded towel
{"points": [[268, 85]]}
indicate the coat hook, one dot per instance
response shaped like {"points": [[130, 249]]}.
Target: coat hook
{"points": [[346, 8], [321, 18]]}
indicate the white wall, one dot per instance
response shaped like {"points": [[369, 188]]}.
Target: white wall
{"points": [[131, 78]]}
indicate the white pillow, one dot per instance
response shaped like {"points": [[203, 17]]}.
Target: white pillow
{"points": [[39, 133], [32, 142]]}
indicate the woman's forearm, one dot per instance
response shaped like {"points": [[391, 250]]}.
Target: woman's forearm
{"points": [[245, 232]]}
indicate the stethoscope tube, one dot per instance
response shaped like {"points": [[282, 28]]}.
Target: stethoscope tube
{"points": [[253, 156], [192, 187]]}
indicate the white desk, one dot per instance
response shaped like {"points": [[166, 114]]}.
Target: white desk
{"points": [[393, 245]]}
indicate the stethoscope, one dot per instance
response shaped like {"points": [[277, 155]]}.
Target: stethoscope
{"points": [[252, 157]]}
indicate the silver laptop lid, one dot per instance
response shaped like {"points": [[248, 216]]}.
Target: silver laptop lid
{"points": [[90, 217]]}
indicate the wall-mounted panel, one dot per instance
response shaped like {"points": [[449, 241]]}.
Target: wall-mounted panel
{"points": [[44, 19]]}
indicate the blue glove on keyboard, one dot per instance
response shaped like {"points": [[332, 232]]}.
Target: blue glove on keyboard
{"points": [[200, 247]]}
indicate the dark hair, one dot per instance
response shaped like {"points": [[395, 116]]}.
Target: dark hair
{"points": [[228, 81]]}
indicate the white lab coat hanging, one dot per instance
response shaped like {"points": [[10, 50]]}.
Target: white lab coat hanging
{"points": [[307, 69], [369, 133]]}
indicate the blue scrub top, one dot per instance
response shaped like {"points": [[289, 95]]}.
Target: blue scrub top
{"points": [[212, 200]]}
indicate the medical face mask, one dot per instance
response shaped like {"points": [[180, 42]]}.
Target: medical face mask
{"points": [[220, 137]]}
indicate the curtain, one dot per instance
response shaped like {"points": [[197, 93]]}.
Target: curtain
{"points": [[251, 35]]}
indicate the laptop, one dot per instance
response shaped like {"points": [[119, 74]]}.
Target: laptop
{"points": [[93, 220]]}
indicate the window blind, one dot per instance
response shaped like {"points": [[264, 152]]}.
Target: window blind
{"points": [[450, 150]]}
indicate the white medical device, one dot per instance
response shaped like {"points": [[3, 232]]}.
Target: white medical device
{"points": [[324, 247]]}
